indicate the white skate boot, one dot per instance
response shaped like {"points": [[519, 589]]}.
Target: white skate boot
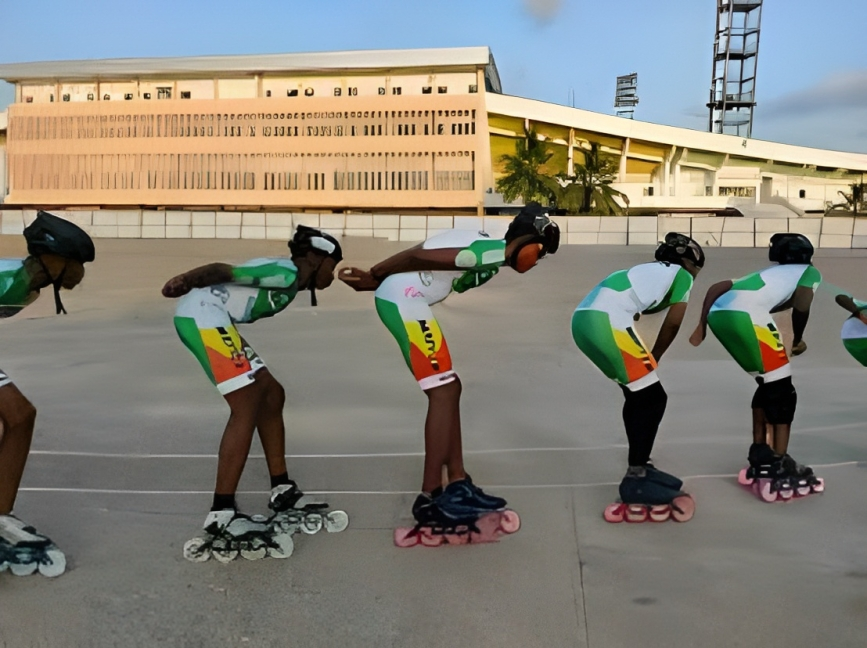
{"points": [[229, 534], [23, 550], [294, 511]]}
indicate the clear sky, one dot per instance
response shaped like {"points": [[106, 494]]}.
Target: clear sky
{"points": [[812, 66]]}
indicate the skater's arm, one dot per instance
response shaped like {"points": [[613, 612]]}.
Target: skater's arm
{"points": [[713, 293], [849, 304], [207, 275], [668, 330], [801, 301], [412, 260]]}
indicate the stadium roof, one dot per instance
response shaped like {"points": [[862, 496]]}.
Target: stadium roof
{"points": [[248, 64]]}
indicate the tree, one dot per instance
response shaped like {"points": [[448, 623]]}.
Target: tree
{"points": [[523, 176], [589, 188]]}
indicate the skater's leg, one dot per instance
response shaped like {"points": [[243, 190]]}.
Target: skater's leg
{"points": [[762, 430], [269, 423], [442, 436], [245, 404], [17, 418], [777, 402], [642, 413]]}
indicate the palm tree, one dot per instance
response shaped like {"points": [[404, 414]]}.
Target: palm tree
{"points": [[523, 176], [589, 188]]}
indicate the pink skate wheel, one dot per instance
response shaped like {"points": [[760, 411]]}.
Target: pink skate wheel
{"points": [[660, 513], [682, 508], [786, 494], [404, 537], [743, 480], [509, 521], [819, 486], [636, 513], [488, 528], [457, 538], [614, 513], [765, 491]]}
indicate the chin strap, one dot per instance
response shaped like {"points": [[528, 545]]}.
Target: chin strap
{"points": [[58, 304], [312, 290]]}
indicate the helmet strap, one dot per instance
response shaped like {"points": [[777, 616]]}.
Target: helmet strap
{"points": [[57, 283], [312, 289]]}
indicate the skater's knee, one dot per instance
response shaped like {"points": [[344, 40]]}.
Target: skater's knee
{"points": [[778, 400], [275, 396], [16, 412], [448, 391]]}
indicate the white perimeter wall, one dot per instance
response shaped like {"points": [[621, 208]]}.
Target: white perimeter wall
{"points": [[828, 232]]}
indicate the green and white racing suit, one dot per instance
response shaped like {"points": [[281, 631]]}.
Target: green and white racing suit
{"points": [[205, 318], [854, 335], [403, 301], [15, 294]]}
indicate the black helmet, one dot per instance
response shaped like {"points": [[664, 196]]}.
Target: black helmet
{"points": [[49, 234], [309, 239], [677, 247], [789, 247], [533, 219]]}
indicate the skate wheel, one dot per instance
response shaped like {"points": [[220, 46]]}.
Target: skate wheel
{"points": [[659, 513], [786, 493], [285, 546], [312, 523], [766, 492], [635, 513], [510, 522], [428, 539], [802, 491], [743, 480], [256, 550], [457, 538], [54, 563], [819, 486], [614, 513], [682, 508], [222, 551], [405, 537], [336, 521], [22, 569], [196, 550]]}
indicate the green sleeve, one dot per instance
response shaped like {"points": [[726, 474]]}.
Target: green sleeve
{"points": [[266, 273], [811, 278], [678, 292], [486, 254]]}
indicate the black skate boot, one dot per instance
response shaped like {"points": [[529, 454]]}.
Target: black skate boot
{"points": [[464, 496], [643, 498], [663, 478], [288, 496], [491, 502], [801, 477]]}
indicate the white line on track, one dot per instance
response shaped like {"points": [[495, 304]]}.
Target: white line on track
{"points": [[109, 491]]}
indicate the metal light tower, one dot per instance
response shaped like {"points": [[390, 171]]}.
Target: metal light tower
{"points": [[626, 95], [735, 55]]}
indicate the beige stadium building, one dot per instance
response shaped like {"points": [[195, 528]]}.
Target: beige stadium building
{"points": [[395, 143]]}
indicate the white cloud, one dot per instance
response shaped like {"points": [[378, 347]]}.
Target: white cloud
{"points": [[839, 91]]}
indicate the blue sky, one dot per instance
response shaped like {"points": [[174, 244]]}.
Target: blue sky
{"points": [[812, 69]]}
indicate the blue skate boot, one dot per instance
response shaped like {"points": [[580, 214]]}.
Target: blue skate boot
{"points": [[643, 499]]}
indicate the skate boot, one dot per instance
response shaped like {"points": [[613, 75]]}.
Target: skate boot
{"points": [[768, 475], [663, 478], [454, 516], [23, 550], [642, 498], [229, 534], [803, 480], [490, 502], [294, 511]]}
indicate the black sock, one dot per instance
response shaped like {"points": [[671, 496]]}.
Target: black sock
{"points": [[223, 502], [280, 480]]}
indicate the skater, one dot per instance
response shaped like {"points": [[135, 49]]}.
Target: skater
{"points": [[854, 333], [407, 285], [739, 313], [57, 252], [602, 327], [214, 298]]}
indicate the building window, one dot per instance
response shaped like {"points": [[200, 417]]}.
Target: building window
{"points": [[106, 97], [738, 192], [127, 96], [66, 97], [474, 88], [147, 95], [90, 96], [426, 90], [308, 92], [380, 91], [352, 92], [164, 93], [442, 89], [802, 193], [28, 99], [648, 191], [186, 94], [395, 90], [292, 93], [267, 93], [51, 98], [337, 92]]}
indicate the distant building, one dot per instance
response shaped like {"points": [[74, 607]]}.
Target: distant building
{"points": [[397, 130]]}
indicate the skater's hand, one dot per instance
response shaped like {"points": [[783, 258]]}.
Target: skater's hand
{"points": [[176, 287], [799, 348], [357, 279], [698, 335], [862, 315]]}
